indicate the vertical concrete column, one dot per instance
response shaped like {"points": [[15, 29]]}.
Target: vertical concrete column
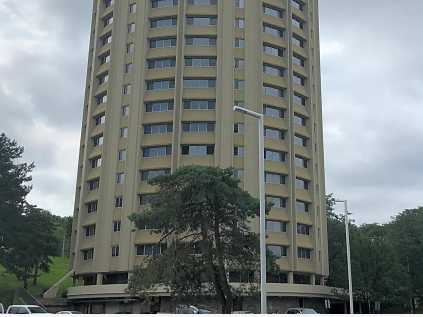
{"points": [[313, 279], [291, 277], [99, 279]]}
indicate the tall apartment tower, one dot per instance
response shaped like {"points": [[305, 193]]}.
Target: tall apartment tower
{"points": [[163, 77]]}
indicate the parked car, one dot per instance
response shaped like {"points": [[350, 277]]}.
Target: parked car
{"points": [[69, 312], [1, 309], [190, 309], [301, 311], [242, 312], [26, 309]]}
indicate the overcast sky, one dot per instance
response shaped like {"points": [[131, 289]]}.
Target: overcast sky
{"points": [[372, 88]]}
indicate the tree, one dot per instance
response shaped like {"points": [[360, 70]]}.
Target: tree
{"points": [[26, 232], [202, 216]]}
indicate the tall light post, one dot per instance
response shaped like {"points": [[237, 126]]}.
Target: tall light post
{"points": [[347, 238], [263, 272]]}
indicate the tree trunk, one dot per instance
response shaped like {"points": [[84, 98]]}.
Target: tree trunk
{"points": [[35, 277]]}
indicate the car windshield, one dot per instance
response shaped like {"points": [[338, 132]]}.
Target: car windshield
{"points": [[37, 310], [309, 311]]}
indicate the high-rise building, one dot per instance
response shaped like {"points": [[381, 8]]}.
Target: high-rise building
{"points": [[163, 76]]}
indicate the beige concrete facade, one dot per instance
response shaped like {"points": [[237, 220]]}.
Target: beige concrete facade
{"points": [[279, 50]]}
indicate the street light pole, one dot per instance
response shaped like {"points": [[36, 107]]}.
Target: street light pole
{"points": [[263, 271], [347, 239]]}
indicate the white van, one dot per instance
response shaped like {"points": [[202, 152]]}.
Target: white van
{"points": [[26, 309], [1, 309]]}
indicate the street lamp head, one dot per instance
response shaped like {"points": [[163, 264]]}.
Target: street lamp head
{"points": [[248, 112]]}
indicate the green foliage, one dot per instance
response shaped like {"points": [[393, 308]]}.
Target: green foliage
{"points": [[26, 232], [385, 259], [202, 216]]}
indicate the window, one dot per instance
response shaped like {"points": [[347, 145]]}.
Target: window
{"points": [[301, 161], [201, 20], [120, 178], [297, 22], [278, 250], [301, 183], [163, 3], [92, 206], [239, 4], [298, 60], [95, 162], [272, 133], [131, 28], [108, 3], [127, 89], [158, 128], [272, 91], [272, 11], [125, 111], [132, 7], [98, 140], [199, 104], [146, 175], [275, 226], [159, 106], [198, 127], [239, 128], [89, 231], [197, 150], [299, 80], [199, 82], [100, 119], [202, 2], [239, 23], [299, 120], [239, 151], [108, 19], [277, 202], [103, 78], [200, 61], [116, 225], [119, 202], [94, 184], [115, 251], [278, 278], [105, 58], [273, 70], [239, 84], [302, 206], [300, 140], [299, 99], [149, 249], [122, 155], [130, 48], [239, 43], [273, 112], [276, 156], [160, 84], [273, 30], [201, 41], [157, 151], [298, 41], [101, 98], [239, 63], [274, 178], [272, 50], [161, 63], [123, 132], [88, 254], [163, 22], [297, 4], [128, 68], [106, 39], [304, 253], [303, 229], [167, 42], [239, 173], [146, 199]]}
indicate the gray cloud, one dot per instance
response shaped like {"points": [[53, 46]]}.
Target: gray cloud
{"points": [[371, 81]]}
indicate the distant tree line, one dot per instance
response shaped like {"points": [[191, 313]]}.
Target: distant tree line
{"points": [[29, 236], [386, 260]]}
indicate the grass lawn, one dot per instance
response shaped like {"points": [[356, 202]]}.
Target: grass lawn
{"points": [[59, 267]]}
